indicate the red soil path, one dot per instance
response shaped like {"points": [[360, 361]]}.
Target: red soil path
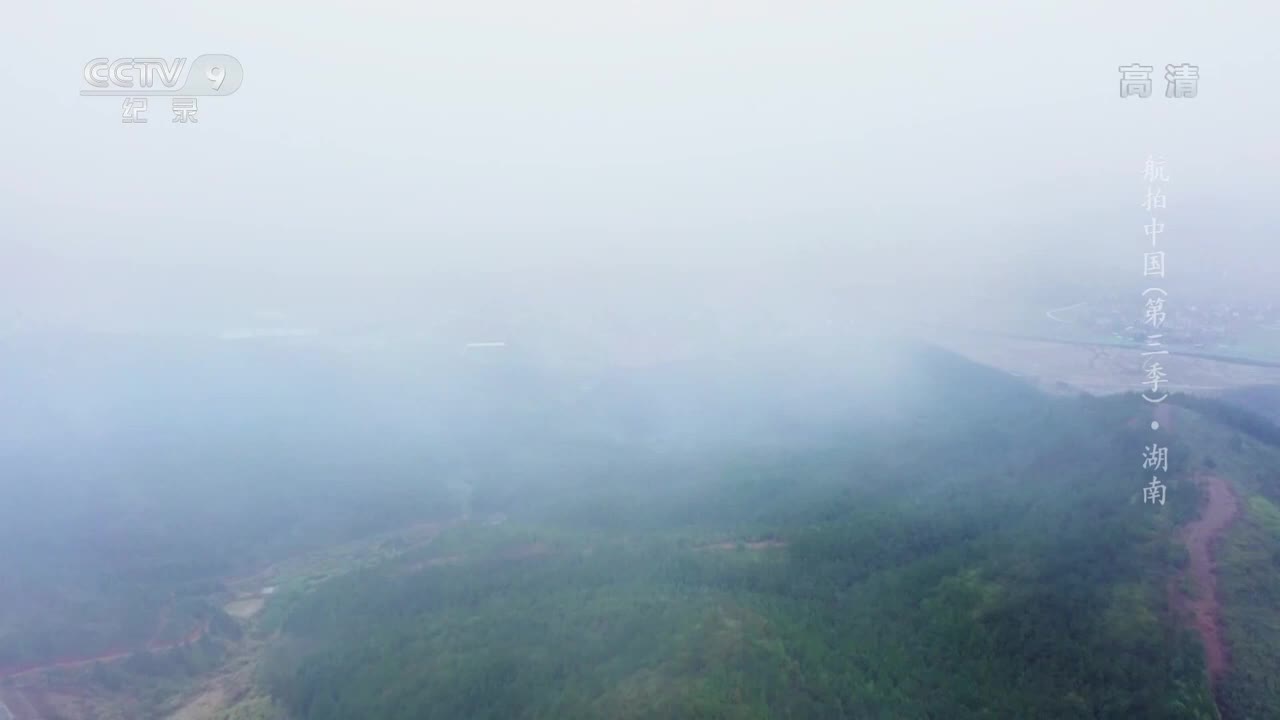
{"points": [[1200, 537], [72, 662]]}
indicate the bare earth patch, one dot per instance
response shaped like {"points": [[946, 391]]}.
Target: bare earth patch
{"points": [[215, 698], [246, 608], [205, 706]]}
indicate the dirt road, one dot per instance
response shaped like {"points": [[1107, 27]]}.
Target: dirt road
{"points": [[112, 656], [1200, 537]]}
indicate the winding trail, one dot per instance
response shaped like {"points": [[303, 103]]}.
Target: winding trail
{"points": [[111, 656], [1200, 536]]}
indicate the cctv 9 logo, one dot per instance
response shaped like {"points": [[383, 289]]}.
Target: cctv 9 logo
{"points": [[207, 75]]}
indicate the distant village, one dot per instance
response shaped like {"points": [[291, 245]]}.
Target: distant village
{"points": [[1197, 325]]}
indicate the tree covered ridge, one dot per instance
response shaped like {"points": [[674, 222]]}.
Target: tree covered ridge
{"points": [[997, 562]]}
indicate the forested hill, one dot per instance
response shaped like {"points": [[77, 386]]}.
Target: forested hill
{"points": [[952, 545]]}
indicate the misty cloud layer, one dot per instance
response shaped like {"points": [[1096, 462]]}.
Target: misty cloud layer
{"points": [[388, 163]]}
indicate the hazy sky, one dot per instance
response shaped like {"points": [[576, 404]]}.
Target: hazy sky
{"points": [[932, 147]]}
